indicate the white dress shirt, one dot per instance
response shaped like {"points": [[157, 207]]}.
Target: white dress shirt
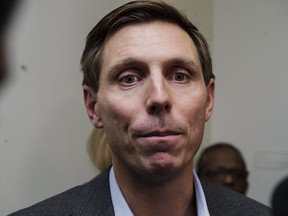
{"points": [[121, 207]]}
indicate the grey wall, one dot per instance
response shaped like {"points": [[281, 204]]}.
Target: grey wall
{"points": [[250, 61]]}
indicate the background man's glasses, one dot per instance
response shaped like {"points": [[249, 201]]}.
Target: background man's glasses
{"points": [[220, 173]]}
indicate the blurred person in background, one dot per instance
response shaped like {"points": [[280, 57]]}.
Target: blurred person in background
{"points": [[98, 149], [223, 163], [279, 198], [7, 8]]}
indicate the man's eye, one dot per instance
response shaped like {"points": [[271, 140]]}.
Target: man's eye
{"points": [[180, 76], [128, 79]]}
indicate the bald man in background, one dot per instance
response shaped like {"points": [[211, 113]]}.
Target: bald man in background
{"points": [[223, 163]]}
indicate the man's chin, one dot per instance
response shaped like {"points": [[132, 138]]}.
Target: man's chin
{"points": [[162, 169]]}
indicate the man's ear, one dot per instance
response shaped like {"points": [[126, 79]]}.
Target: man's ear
{"points": [[90, 102], [210, 98]]}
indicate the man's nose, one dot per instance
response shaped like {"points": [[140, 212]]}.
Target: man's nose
{"points": [[159, 96], [228, 179]]}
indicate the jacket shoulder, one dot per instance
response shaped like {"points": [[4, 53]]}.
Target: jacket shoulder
{"points": [[223, 201], [92, 198]]}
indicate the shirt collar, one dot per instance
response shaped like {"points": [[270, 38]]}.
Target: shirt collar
{"points": [[121, 207], [202, 208]]}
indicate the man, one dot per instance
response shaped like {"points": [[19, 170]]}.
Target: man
{"points": [[148, 83], [223, 163]]}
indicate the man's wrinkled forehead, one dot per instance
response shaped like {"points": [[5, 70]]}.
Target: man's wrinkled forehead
{"points": [[137, 45]]}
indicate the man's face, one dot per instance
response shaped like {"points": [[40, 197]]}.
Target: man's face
{"points": [[152, 99], [224, 166]]}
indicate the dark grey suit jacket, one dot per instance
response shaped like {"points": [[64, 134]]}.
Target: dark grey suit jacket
{"points": [[94, 199]]}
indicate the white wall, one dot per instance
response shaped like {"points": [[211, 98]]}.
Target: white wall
{"points": [[250, 62], [43, 123]]}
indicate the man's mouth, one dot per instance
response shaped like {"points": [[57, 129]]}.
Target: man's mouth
{"points": [[159, 134]]}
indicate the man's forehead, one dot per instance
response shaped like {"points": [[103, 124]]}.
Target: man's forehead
{"points": [[134, 42], [146, 29]]}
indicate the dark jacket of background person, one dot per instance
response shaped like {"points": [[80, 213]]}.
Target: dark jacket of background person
{"points": [[279, 199]]}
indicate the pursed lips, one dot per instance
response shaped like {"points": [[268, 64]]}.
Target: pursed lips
{"points": [[158, 141], [159, 138], [159, 134]]}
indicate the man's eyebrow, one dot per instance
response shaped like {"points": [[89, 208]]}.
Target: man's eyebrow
{"points": [[129, 62], [181, 61], [132, 62], [188, 63]]}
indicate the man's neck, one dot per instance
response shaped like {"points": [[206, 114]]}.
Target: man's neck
{"points": [[174, 196]]}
